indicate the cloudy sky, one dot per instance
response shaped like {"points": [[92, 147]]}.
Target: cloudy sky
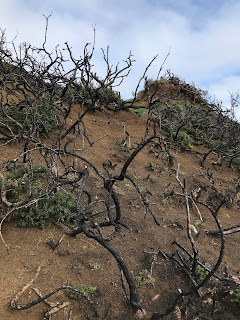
{"points": [[203, 35]]}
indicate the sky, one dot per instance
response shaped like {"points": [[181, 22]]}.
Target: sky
{"points": [[202, 35]]}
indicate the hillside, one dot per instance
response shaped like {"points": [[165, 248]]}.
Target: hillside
{"points": [[115, 209], [71, 262]]}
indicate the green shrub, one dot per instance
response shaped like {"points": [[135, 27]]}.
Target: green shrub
{"points": [[169, 113], [46, 115], [16, 172], [40, 112], [39, 171], [108, 95], [184, 140], [92, 94], [140, 111], [126, 148], [237, 297], [200, 274], [144, 278], [61, 207], [17, 181], [236, 161]]}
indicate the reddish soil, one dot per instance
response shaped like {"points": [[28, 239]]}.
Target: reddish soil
{"points": [[71, 262]]}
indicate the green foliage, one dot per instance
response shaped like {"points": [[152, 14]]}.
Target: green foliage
{"points": [[40, 112], [39, 171], [85, 289], [200, 274], [143, 273], [108, 95], [144, 278], [165, 201], [47, 118], [136, 108], [139, 280], [135, 176], [151, 281], [140, 111], [17, 181], [183, 140], [91, 94], [61, 207], [195, 131], [236, 161], [18, 184], [95, 266], [17, 172], [237, 297], [126, 148], [169, 113]]}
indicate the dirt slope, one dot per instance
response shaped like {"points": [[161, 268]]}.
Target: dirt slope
{"points": [[80, 261]]}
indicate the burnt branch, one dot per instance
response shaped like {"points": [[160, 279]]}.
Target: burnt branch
{"points": [[194, 257]]}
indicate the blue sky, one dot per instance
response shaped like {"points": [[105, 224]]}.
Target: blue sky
{"points": [[203, 35]]}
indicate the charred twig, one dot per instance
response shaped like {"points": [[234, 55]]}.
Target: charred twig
{"points": [[134, 298], [211, 272], [54, 310], [226, 231], [17, 306], [144, 200], [195, 250]]}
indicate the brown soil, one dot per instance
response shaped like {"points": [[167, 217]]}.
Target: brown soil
{"points": [[71, 262]]}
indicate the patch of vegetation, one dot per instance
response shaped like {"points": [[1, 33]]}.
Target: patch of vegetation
{"points": [[236, 161], [95, 266], [85, 289], [105, 96], [21, 185], [135, 176], [41, 113], [237, 297], [184, 140], [200, 274], [108, 95], [16, 183], [169, 113], [39, 171], [126, 148], [165, 201], [16, 171], [61, 207], [144, 278], [198, 223], [140, 111]]}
